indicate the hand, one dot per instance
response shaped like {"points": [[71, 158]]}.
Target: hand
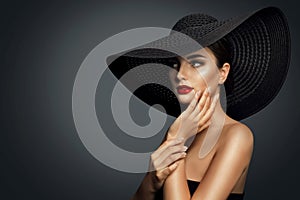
{"points": [[195, 118], [163, 160]]}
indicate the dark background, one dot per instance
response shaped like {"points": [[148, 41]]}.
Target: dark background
{"points": [[43, 45]]}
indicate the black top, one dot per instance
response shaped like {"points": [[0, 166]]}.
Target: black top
{"points": [[193, 186]]}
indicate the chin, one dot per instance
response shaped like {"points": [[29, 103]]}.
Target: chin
{"points": [[184, 99]]}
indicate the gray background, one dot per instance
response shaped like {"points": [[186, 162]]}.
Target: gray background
{"points": [[42, 47]]}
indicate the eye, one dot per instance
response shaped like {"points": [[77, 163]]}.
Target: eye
{"points": [[196, 63], [174, 64]]}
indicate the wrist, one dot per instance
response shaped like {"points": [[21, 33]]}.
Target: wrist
{"points": [[171, 135], [153, 187]]}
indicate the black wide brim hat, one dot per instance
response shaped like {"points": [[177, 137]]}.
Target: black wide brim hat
{"points": [[259, 42]]}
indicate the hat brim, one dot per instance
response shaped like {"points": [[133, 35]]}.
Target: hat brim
{"points": [[260, 42]]}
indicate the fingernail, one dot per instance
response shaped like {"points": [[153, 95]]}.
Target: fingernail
{"points": [[198, 93], [183, 154], [184, 148], [208, 89], [180, 139]]}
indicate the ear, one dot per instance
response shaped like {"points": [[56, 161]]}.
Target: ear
{"points": [[224, 71]]}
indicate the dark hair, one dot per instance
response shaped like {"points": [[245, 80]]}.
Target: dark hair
{"points": [[222, 52]]}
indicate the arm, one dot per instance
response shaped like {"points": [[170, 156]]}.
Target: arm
{"points": [[175, 187], [147, 189], [163, 159], [230, 160], [162, 163]]}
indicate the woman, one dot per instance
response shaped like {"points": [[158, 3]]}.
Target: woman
{"points": [[250, 56], [224, 169]]}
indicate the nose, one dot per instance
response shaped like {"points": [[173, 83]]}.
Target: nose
{"points": [[181, 74]]}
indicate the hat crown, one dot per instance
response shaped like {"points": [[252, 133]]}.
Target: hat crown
{"points": [[193, 20]]}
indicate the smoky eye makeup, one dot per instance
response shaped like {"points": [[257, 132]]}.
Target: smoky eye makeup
{"points": [[196, 60], [196, 63]]}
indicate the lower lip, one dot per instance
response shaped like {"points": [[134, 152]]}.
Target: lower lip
{"points": [[184, 90]]}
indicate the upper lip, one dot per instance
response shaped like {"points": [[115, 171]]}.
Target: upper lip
{"points": [[183, 86]]}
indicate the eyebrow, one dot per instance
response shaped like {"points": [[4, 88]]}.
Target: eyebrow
{"points": [[195, 56]]}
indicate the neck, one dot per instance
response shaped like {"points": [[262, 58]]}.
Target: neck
{"points": [[219, 113], [211, 135]]}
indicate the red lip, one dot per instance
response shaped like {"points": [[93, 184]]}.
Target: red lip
{"points": [[184, 89]]}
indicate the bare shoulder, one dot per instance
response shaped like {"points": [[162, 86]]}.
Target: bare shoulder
{"points": [[237, 135], [239, 130]]}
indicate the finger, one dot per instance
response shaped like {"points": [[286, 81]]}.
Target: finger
{"points": [[210, 111], [206, 106], [164, 173], [159, 155], [200, 104], [206, 125], [170, 159], [213, 104], [202, 100], [170, 154], [173, 166], [194, 102], [200, 113], [167, 144]]}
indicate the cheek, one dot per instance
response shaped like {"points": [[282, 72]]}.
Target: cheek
{"points": [[208, 77], [199, 82]]}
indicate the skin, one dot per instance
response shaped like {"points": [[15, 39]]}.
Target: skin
{"points": [[224, 169]]}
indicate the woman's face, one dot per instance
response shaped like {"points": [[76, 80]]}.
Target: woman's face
{"points": [[197, 71]]}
